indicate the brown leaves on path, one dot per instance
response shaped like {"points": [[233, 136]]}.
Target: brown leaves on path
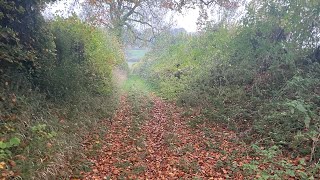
{"points": [[163, 147]]}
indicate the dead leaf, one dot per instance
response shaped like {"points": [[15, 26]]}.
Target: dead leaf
{"points": [[12, 163], [2, 165], [224, 171], [49, 145], [20, 157], [115, 171]]}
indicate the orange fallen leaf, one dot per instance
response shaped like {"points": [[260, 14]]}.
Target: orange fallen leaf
{"points": [[224, 171], [115, 171], [2, 165], [171, 174], [49, 145], [12, 163]]}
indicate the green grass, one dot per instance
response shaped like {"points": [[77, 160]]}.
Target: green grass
{"points": [[135, 83], [136, 54]]}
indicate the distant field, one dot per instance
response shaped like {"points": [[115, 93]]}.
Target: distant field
{"points": [[130, 63], [135, 55]]}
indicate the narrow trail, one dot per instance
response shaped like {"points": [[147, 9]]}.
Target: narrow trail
{"points": [[161, 145]]}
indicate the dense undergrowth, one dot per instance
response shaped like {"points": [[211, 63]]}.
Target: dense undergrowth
{"points": [[259, 77], [55, 81]]}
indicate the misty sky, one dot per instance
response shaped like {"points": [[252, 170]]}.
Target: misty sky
{"points": [[188, 20]]}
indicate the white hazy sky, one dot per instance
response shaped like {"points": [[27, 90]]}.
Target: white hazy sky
{"points": [[186, 20]]}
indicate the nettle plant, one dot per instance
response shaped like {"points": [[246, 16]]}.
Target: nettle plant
{"points": [[299, 106], [7, 146], [312, 125]]}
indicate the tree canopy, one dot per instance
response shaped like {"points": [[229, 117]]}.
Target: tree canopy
{"points": [[142, 18]]}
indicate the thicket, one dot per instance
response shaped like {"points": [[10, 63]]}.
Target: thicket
{"points": [[55, 81], [260, 76]]}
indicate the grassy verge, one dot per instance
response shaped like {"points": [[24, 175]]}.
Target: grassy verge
{"points": [[42, 139]]}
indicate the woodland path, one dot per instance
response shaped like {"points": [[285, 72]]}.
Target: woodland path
{"points": [[151, 139]]}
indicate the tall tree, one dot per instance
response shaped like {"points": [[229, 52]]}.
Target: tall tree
{"points": [[135, 16], [143, 19]]}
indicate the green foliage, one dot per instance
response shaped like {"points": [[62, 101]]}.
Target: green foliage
{"points": [[24, 40], [136, 84], [86, 57], [268, 167], [63, 85], [41, 131], [303, 109], [259, 77], [5, 147]]}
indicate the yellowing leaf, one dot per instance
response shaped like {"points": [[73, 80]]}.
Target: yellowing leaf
{"points": [[2, 165]]}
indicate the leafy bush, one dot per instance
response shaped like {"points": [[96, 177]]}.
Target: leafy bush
{"points": [[259, 77], [69, 89], [25, 40], [85, 59]]}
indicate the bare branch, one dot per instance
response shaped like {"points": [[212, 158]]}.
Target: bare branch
{"points": [[137, 16], [125, 17], [141, 22], [135, 34]]}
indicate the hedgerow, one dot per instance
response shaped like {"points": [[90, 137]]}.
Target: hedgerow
{"points": [[55, 81], [259, 77]]}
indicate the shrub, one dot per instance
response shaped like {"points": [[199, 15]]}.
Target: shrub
{"points": [[53, 108], [251, 76]]}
